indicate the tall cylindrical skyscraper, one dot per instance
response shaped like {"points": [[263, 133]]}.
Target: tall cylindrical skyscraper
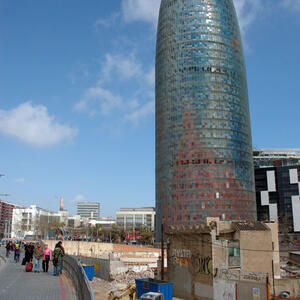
{"points": [[204, 161]]}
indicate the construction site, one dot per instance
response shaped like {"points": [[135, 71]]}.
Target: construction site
{"points": [[218, 260]]}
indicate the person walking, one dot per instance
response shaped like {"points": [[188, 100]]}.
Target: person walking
{"points": [[62, 259], [8, 247], [47, 256], [38, 254], [17, 253], [57, 260], [29, 249]]}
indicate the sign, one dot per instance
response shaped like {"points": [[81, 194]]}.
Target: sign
{"points": [[97, 267], [256, 294]]}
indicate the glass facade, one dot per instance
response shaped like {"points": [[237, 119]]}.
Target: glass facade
{"points": [[204, 163]]}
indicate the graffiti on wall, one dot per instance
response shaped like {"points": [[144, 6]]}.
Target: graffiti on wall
{"points": [[237, 275], [224, 290], [228, 295], [205, 266], [182, 257]]}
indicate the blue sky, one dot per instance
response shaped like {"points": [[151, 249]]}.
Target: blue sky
{"points": [[77, 95]]}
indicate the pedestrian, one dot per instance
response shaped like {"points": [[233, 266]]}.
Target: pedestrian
{"points": [[57, 260], [29, 249], [8, 248], [17, 253], [62, 259], [47, 256], [38, 255]]}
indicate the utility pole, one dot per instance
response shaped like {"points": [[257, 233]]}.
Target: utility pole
{"points": [[162, 251]]}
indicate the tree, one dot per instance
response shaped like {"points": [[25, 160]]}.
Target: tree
{"points": [[94, 231], [57, 227], [147, 235], [117, 234]]}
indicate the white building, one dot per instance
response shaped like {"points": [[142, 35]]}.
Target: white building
{"points": [[265, 157], [31, 221], [105, 223], [77, 221], [89, 210], [136, 218]]}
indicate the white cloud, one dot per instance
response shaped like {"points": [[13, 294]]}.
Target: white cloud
{"points": [[150, 77], [19, 180], [98, 100], [124, 67], [141, 112], [78, 198], [107, 22], [119, 68], [141, 10], [247, 11], [293, 5], [33, 125], [148, 10]]}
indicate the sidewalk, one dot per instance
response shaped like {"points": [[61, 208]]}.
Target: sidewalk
{"points": [[16, 284]]}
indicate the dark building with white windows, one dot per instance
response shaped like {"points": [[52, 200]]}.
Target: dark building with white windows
{"points": [[278, 197]]}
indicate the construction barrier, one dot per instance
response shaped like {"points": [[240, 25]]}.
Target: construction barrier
{"points": [[73, 267]]}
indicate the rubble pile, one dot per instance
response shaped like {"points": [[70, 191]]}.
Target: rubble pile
{"points": [[102, 287], [130, 276]]}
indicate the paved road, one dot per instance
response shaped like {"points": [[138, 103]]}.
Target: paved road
{"points": [[16, 284]]}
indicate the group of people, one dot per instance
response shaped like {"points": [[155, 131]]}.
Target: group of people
{"points": [[13, 247], [39, 255]]}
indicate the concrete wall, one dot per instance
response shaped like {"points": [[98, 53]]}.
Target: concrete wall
{"points": [[102, 266], [232, 284], [88, 249], [106, 250], [256, 251], [190, 266], [224, 290], [239, 290], [276, 253], [220, 254], [251, 291], [108, 268]]}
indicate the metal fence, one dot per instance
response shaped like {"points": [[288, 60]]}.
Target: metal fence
{"points": [[77, 274], [73, 267]]}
